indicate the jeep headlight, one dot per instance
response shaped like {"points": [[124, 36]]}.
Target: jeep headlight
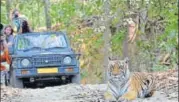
{"points": [[67, 60], [25, 62]]}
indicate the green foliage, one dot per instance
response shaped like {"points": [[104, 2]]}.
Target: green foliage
{"points": [[65, 11], [117, 41], [166, 41], [4, 13], [69, 13]]}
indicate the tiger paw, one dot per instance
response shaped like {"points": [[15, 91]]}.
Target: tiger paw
{"points": [[109, 97], [123, 100]]}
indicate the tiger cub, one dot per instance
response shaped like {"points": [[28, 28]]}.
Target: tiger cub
{"points": [[123, 85]]}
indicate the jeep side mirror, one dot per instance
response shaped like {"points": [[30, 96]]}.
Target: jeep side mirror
{"points": [[78, 56], [72, 49]]}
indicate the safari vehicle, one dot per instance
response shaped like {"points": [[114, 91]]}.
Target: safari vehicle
{"points": [[43, 56]]}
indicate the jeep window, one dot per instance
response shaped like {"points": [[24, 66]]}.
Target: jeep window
{"points": [[42, 41]]}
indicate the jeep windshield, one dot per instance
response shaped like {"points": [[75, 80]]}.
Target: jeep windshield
{"points": [[41, 41]]}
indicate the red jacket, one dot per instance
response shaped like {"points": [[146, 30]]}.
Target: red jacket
{"points": [[5, 58]]}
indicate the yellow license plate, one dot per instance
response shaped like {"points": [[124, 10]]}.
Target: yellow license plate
{"points": [[47, 70]]}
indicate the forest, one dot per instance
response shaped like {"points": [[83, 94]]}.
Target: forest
{"points": [[145, 31]]}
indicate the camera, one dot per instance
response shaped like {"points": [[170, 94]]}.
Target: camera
{"points": [[1, 35], [1, 26], [15, 15]]}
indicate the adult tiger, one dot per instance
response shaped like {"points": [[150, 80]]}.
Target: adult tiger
{"points": [[123, 85]]}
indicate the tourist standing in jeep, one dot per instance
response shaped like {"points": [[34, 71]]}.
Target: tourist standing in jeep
{"points": [[17, 20]]}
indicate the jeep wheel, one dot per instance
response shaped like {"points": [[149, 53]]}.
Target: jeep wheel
{"points": [[14, 81], [76, 79]]}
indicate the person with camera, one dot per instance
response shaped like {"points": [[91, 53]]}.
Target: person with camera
{"points": [[17, 21]]}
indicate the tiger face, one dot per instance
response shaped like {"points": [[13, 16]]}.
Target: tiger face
{"points": [[118, 69]]}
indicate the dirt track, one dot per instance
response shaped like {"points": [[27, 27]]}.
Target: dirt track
{"points": [[167, 91], [71, 93]]}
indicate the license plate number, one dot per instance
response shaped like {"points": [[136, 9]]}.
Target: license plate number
{"points": [[47, 70]]}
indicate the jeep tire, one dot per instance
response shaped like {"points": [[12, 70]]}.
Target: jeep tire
{"points": [[76, 79], [14, 81]]}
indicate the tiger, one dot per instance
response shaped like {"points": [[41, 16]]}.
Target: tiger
{"points": [[125, 86]]}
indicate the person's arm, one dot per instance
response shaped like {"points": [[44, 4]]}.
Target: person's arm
{"points": [[10, 40], [5, 44]]}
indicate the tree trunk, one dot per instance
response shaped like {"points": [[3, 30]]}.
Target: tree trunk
{"points": [[8, 5], [39, 23], [106, 36], [47, 14], [125, 42]]}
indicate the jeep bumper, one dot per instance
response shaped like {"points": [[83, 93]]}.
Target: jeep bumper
{"points": [[50, 71]]}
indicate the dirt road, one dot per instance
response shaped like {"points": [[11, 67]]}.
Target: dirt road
{"points": [[71, 93], [167, 91]]}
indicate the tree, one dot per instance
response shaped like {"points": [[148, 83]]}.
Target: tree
{"points": [[47, 14], [106, 36], [8, 5]]}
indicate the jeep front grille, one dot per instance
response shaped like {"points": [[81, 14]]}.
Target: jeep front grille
{"points": [[50, 60]]}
